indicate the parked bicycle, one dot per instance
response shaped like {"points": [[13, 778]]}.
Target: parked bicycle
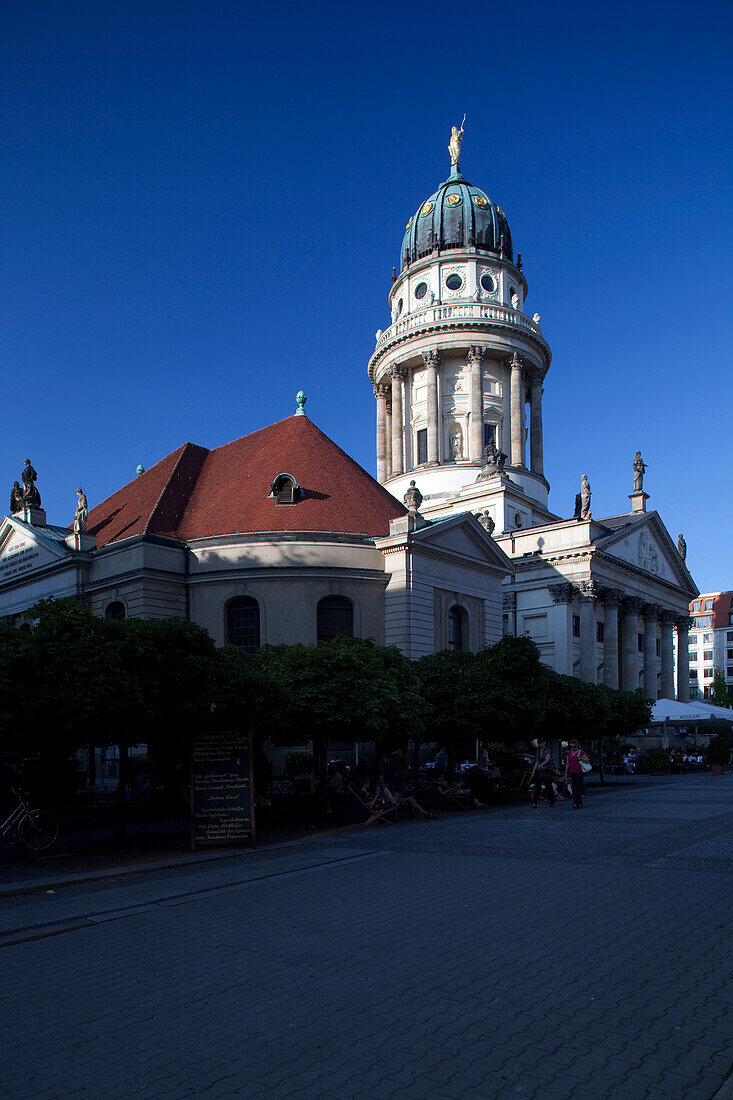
{"points": [[36, 829]]}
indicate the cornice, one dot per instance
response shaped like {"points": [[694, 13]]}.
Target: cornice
{"points": [[462, 324]]}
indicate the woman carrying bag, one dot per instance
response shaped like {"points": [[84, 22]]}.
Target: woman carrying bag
{"points": [[576, 764]]}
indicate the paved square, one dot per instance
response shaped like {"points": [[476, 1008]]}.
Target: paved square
{"points": [[493, 954]]}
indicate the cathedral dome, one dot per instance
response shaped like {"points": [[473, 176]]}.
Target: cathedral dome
{"points": [[457, 215]]}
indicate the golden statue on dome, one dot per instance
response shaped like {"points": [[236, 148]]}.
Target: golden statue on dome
{"points": [[454, 146]]}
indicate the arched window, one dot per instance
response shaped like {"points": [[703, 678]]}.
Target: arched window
{"points": [[457, 624], [115, 610], [243, 624], [335, 618]]}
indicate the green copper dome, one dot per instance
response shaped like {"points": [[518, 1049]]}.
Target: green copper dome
{"points": [[457, 215]]}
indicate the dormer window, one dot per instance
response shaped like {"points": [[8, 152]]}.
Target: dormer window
{"points": [[285, 489]]}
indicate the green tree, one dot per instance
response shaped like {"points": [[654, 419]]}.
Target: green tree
{"points": [[720, 692], [350, 689]]}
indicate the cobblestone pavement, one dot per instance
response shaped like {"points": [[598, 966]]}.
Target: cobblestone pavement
{"points": [[497, 954]]}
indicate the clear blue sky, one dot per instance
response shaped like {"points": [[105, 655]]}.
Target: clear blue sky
{"points": [[202, 202]]}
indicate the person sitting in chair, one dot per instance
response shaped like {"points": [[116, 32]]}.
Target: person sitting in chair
{"points": [[384, 798]]}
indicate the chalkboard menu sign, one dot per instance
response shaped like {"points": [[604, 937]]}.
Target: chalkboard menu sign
{"points": [[221, 791]]}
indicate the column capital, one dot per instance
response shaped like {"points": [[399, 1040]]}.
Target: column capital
{"points": [[683, 622], [509, 601], [588, 590], [476, 354], [382, 389], [561, 593], [515, 362], [632, 605], [431, 358], [397, 371], [651, 612], [611, 596], [668, 618]]}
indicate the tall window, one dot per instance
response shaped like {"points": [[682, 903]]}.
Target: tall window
{"points": [[335, 618], [243, 624], [115, 610], [422, 446], [456, 628], [576, 626]]}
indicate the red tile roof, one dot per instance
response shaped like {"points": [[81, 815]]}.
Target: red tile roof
{"points": [[195, 493]]}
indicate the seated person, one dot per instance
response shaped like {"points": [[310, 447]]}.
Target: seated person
{"points": [[384, 798]]}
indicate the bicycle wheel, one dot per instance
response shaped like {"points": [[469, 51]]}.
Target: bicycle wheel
{"points": [[38, 830]]}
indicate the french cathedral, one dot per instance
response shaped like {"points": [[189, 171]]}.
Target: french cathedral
{"points": [[281, 537]]}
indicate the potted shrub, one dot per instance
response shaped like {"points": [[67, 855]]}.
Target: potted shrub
{"points": [[717, 755], [657, 762]]}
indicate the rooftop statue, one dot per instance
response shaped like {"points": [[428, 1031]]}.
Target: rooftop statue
{"points": [[81, 513], [493, 461], [454, 146], [16, 498], [681, 547], [31, 496], [639, 468], [585, 498]]}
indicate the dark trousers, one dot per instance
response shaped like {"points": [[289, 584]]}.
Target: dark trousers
{"points": [[576, 782], [543, 779]]}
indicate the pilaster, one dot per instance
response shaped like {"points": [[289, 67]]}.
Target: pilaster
{"points": [[536, 444], [651, 614], [432, 361], [630, 665], [611, 598], [588, 593]]}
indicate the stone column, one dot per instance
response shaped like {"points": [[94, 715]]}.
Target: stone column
{"points": [[517, 412], [651, 616], [630, 665], [387, 431], [380, 392], [398, 460], [610, 638], [431, 360], [587, 669], [537, 457], [666, 623], [683, 658], [476, 427]]}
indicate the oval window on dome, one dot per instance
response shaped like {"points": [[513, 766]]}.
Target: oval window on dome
{"points": [[421, 290], [426, 209], [409, 224], [400, 306], [487, 283], [454, 282], [453, 200], [480, 200]]}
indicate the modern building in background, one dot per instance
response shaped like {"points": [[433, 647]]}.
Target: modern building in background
{"points": [[711, 643]]}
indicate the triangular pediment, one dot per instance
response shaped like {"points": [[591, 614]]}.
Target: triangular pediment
{"points": [[24, 548], [464, 536], [646, 544]]}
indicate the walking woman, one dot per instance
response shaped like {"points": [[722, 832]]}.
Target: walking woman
{"points": [[574, 769]]}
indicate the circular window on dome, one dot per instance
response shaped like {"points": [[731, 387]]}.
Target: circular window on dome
{"points": [[409, 224], [487, 283], [454, 282], [480, 200], [421, 290], [453, 200], [426, 209]]}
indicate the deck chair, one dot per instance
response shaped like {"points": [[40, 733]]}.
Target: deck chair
{"points": [[515, 788], [459, 799], [388, 816]]}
